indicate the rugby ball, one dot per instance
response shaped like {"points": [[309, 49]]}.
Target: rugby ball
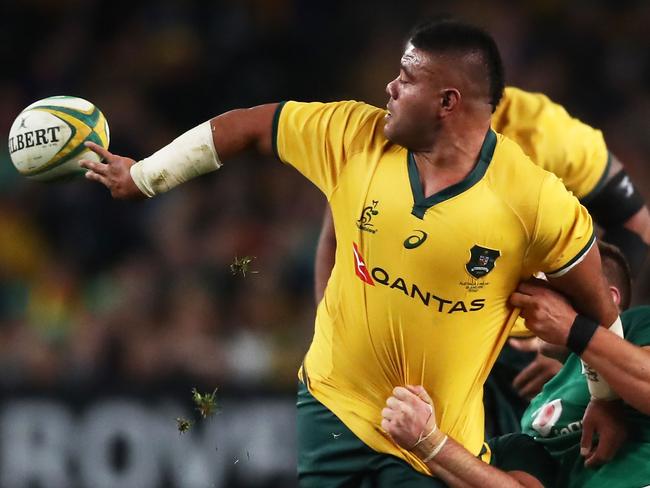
{"points": [[46, 141]]}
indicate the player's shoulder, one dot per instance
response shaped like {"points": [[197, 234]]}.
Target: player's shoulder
{"points": [[638, 313], [553, 138], [522, 113], [349, 120], [340, 109], [636, 324], [518, 105], [531, 100], [511, 164], [531, 116], [518, 181]]}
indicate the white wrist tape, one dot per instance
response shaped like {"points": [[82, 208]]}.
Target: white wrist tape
{"points": [[188, 156], [598, 387], [437, 449], [422, 438]]}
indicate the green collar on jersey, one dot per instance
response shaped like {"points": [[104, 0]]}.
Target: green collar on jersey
{"points": [[422, 204]]}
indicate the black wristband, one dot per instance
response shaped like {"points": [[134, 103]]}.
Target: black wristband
{"points": [[582, 330]]}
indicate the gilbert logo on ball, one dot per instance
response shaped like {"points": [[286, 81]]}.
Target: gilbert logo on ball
{"points": [[46, 141]]}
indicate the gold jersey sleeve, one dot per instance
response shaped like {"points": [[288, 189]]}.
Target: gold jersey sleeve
{"points": [[563, 230], [572, 150], [318, 138], [563, 235]]}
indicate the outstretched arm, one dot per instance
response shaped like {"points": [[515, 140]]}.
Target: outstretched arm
{"points": [[198, 151], [409, 418], [242, 129], [629, 377]]}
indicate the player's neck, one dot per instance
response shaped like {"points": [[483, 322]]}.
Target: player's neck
{"points": [[451, 159]]}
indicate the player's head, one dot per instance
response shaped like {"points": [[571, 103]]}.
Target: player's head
{"points": [[447, 67], [617, 273]]}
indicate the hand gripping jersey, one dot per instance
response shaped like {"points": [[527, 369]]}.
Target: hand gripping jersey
{"points": [[554, 418], [419, 289]]}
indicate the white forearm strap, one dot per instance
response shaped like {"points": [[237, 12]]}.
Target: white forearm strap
{"points": [[436, 450], [598, 387], [188, 156]]}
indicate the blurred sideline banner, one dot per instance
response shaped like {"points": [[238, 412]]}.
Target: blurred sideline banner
{"points": [[132, 441]]}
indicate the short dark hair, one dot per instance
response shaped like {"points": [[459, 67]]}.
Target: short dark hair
{"points": [[447, 35], [616, 271]]}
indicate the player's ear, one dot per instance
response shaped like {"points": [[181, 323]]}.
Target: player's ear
{"points": [[616, 295], [449, 99]]}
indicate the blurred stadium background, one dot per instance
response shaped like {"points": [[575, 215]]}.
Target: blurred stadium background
{"points": [[110, 312]]}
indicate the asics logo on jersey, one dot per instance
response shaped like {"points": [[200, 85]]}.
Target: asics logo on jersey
{"points": [[364, 223], [415, 240]]}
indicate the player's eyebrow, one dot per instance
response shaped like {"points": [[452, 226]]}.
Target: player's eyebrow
{"points": [[407, 71]]}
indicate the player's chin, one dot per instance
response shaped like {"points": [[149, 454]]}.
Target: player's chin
{"points": [[390, 128], [394, 135]]}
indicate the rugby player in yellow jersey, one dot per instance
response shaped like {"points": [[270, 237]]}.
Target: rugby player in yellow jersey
{"points": [[578, 155], [568, 148], [438, 218]]}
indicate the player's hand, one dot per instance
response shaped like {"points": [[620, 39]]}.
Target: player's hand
{"points": [[531, 379], [409, 414], [547, 313], [606, 419], [114, 172]]}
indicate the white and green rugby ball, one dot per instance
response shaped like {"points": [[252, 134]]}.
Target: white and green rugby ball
{"points": [[46, 141]]}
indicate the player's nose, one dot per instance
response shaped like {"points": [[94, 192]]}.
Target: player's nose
{"points": [[391, 89]]}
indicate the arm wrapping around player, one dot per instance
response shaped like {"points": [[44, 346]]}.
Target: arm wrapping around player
{"points": [[409, 418], [623, 365], [620, 210], [585, 285]]}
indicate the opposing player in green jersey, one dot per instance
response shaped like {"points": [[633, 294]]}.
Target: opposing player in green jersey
{"points": [[438, 218], [550, 448], [554, 417]]}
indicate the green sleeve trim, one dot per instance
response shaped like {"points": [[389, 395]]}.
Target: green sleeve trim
{"points": [[601, 182], [576, 259], [274, 133]]}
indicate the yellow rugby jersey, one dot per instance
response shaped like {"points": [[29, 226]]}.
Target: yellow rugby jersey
{"points": [[572, 150], [419, 289]]}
